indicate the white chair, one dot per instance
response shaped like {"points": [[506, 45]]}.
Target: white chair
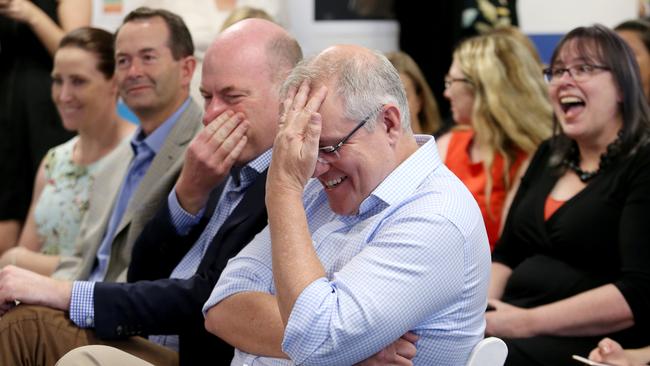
{"points": [[490, 351]]}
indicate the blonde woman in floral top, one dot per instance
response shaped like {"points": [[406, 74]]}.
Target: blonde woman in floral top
{"points": [[84, 91]]}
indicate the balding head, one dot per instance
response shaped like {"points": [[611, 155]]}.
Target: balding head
{"points": [[259, 42], [243, 71]]}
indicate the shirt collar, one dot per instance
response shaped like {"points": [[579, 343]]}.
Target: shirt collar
{"points": [[404, 179], [252, 169], [156, 139]]}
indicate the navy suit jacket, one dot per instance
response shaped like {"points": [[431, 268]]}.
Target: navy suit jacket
{"points": [[152, 303]]}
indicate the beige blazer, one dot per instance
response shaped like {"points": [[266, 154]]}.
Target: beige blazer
{"points": [[145, 202]]}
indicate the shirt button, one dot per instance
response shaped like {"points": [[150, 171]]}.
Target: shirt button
{"points": [[89, 321]]}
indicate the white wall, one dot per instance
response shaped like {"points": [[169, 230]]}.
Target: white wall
{"points": [[315, 36], [535, 17], [560, 16]]}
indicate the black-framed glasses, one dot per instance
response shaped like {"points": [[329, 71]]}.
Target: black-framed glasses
{"points": [[329, 154], [579, 73], [449, 80]]}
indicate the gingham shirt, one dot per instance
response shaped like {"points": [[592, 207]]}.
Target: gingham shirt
{"points": [[415, 258]]}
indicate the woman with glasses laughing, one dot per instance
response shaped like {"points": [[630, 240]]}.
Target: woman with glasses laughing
{"points": [[572, 263]]}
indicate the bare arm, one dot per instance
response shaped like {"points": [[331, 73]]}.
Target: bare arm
{"points": [[26, 255], [29, 238], [249, 321], [598, 311], [31, 288], [72, 14], [512, 192], [498, 278], [44, 264], [295, 262]]}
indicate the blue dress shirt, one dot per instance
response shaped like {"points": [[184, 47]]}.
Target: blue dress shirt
{"points": [[415, 258]]}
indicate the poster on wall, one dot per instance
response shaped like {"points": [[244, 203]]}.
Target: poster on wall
{"points": [[353, 10]]}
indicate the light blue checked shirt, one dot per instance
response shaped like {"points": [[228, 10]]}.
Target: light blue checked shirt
{"points": [[231, 196], [415, 258]]}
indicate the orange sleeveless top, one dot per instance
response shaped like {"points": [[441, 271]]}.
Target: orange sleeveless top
{"points": [[474, 176]]}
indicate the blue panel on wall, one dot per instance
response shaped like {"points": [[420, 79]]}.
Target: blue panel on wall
{"points": [[545, 44], [124, 112]]}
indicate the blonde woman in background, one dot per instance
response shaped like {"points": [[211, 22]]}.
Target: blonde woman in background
{"points": [[500, 101], [522, 38], [245, 12], [425, 117]]}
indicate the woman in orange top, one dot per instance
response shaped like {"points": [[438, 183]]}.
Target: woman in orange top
{"points": [[500, 102]]}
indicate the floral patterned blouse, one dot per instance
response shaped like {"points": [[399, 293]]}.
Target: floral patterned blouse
{"points": [[64, 200]]}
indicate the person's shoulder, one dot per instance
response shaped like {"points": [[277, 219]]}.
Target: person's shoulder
{"points": [[192, 116], [60, 153], [444, 194], [639, 160]]}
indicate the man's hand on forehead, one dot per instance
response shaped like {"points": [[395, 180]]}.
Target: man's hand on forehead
{"points": [[296, 145]]}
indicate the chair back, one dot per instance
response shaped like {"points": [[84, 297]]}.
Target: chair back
{"points": [[490, 351]]}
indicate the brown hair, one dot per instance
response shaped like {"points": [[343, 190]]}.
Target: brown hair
{"points": [[180, 40], [429, 115], [96, 41]]}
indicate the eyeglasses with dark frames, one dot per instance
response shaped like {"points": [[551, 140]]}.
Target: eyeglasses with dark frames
{"points": [[579, 73], [328, 154]]}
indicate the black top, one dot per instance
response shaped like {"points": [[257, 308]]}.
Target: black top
{"points": [[599, 236], [19, 45], [29, 122]]}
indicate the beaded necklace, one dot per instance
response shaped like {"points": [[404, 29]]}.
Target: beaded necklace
{"points": [[572, 161]]}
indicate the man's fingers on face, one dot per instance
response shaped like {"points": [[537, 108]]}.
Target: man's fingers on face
{"points": [[213, 126], [232, 140], [229, 126], [231, 158]]}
